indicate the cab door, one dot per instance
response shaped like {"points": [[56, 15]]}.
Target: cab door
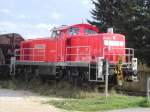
{"points": [[60, 41]]}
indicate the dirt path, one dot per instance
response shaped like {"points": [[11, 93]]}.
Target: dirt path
{"points": [[24, 101]]}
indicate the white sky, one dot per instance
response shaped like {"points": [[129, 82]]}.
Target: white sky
{"points": [[35, 18]]}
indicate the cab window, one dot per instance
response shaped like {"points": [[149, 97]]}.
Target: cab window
{"points": [[73, 31], [89, 31]]}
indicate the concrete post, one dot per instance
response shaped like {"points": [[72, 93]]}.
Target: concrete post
{"points": [[106, 79], [148, 88]]}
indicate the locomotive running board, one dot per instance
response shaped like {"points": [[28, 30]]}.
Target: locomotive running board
{"points": [[80, 64]]}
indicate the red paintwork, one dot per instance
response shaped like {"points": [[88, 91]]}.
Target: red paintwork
{"points": [[57, 50]]}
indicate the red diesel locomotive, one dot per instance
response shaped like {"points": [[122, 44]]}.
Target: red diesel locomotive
{"points": [[77, 52]]}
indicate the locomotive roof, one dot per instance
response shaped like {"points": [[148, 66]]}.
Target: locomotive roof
{"points": [[65, 27]]}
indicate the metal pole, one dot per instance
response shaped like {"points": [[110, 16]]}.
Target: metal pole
{"points": [[106, 79]]}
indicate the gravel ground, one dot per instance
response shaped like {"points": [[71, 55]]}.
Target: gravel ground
{"points": [[25, 101]]}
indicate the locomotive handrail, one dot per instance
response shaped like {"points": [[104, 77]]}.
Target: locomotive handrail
{"points": [[129, 53], [20, 54], [78, 47], [78, 54]]}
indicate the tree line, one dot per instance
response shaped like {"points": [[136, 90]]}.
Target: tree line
{"points": [[128, 17]]}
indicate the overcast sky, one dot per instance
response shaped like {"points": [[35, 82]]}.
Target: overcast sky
{"points": [[35, 18]]}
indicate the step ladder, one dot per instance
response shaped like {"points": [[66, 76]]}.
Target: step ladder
{"points": [[58, 72], [96, 72], [12, 66]]}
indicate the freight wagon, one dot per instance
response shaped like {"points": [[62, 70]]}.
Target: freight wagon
{"points": [[8, 44]]}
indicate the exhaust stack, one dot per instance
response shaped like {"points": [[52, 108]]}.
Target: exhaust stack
{"points": [[110, 30]]}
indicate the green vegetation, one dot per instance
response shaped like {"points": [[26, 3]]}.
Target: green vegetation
{"points": [[100, 103], [61, 89], [8, 84]]}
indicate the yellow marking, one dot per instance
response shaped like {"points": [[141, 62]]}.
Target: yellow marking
{"points": [[119, 71]]}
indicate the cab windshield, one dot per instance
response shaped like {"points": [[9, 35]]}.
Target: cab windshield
{"points": [[73, 31], [89, 31]]}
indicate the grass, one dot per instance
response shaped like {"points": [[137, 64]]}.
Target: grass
{"points": [[100, 103], [8, 85], [61, 89], [66, 90]]}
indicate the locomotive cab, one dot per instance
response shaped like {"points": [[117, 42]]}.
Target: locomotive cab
{"points": [[85, 44]]}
